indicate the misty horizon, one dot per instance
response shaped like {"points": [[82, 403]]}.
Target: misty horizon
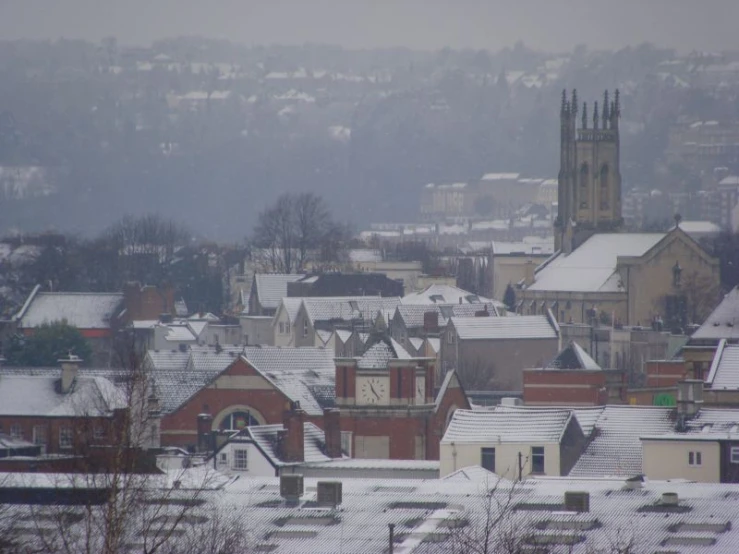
{"points": [[415, 24]]}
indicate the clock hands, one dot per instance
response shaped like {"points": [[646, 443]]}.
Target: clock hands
{"points": [[374, 391]]}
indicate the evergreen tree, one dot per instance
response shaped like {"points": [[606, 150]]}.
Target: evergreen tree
{"points": [[509, 298], [49, 343]]}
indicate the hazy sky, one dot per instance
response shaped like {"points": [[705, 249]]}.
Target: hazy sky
{"points": [[426, 24]]}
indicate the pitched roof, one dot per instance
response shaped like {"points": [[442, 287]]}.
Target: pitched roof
{"points": [[522, 425], [573, 356], [412, 314], [346, 308], [304, 375], [504, 328], [39, 395], [314, 442], [592, 266], [615, 448], [381, 352], [446, 294], [291, 307], [271, 288], [724, 373], [84, 310], [723, 323]]}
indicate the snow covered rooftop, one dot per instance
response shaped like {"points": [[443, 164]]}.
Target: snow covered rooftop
{"points": [[346, 308], [381, 352], [314, 442], [503, 328], [724, 373], [573, 356], [84, 310], [483, 426], [723, 323], [500, 176], [412, 314], [446, 294], [592, 266], [271, 288]]}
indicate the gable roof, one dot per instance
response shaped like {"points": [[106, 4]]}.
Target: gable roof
{"points": [[271, 288], [592, 266], [573, 356], [291, 307], [723, 323], [615, 448], [521, 425], [503, 328], [84, 310], [381, 352], [305, 375], [353, 284]]}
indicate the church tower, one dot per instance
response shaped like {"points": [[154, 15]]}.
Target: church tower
{"points": [[589, 176]]}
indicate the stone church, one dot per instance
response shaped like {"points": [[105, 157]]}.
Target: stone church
{"points": [[599, 272]]}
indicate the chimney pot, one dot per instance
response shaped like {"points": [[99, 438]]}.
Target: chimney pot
{"points": [[70, 366], [293, 445], [332, 430]]}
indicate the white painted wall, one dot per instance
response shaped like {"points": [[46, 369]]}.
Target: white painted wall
{"points": [[457, 456], [668, 459], [257, 465]]}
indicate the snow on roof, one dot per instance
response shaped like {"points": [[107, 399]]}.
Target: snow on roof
{"points": [[445, 294], [343, 334], [365, 255], [700, 227], [416, 342], [500, 176], [724, 373], [304, 375], [731, 180], [482, 426], [412, 314], [723, 323], [271, 288], [345, 308], [179, 333], [615, 448], [291, 305], [592, 266], [381, 352], [499, 224], [84, 310], [504, 328], [167, 359], [573, 356], [529, 248], [39, 395], [314, 442], [434, 343]]}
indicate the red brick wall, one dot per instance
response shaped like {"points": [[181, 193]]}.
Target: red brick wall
{"points": [[83, 429], [563, 387], [665, 373]]}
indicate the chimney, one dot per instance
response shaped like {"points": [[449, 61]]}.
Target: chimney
{"points": [[332, 429], [483, 313], [528, 277], [689, 397], [431, 322], [70, 365], [205, 423], [293, 446], [155, 421]]}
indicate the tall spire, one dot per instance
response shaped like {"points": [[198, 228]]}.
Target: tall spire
{"points": [[584, 115], [564, 102], [605, 109], [595, 115], [574, 103]]}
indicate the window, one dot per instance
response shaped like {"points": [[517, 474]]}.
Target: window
{"points": [[537, 459], [237, 421], [450, 337], [487, 458], [224, 458], [240, 459], [282, 328], [735, 455], [604, 189], [399, 387], [584, 176], [65, 437], [98, 433], [695, 459], [16, 431], [305, 327], [39, 434], [346, 442]]}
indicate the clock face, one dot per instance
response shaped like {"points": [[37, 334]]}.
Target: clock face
{"points": [[420, 390], [373, 390]]}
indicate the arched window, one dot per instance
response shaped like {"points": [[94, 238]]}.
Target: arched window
{"points": [[584, 176], [236, 421], [605, 191]]}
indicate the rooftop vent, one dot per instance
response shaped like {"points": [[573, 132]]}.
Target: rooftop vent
{"points": [[329, 493], [669, 499], [577, 501], [291, 487]]}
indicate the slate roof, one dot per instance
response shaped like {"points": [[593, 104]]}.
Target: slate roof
{"points": [[412, 314], [291, 307], [381, 352], [167, 359], [314, 442], [522, 425], [592, 266], [723, 323], [573, 356], [504, 328], [616, 449], [271, 288], [39, 395], [84, 310], [304, 375], [347, 308]]}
